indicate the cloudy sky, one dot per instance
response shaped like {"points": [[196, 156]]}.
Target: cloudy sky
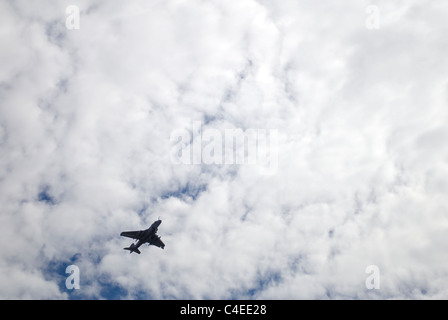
{"points": [[96, 108]]}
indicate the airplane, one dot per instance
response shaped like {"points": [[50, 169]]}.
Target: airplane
{"points": [[144, 236]]}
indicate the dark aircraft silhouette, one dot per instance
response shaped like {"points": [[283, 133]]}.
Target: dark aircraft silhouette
{"points": [[149, 235]]}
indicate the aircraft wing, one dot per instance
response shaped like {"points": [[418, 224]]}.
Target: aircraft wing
{"points": [[158, 243], [132, 234]]}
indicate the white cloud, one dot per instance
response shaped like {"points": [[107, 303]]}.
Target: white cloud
{"points": [[85, 122]]}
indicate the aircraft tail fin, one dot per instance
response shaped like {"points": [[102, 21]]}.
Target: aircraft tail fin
{"points": [[132, 248]]}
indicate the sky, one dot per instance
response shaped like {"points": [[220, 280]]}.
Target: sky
{"points": [[293, 149]]}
